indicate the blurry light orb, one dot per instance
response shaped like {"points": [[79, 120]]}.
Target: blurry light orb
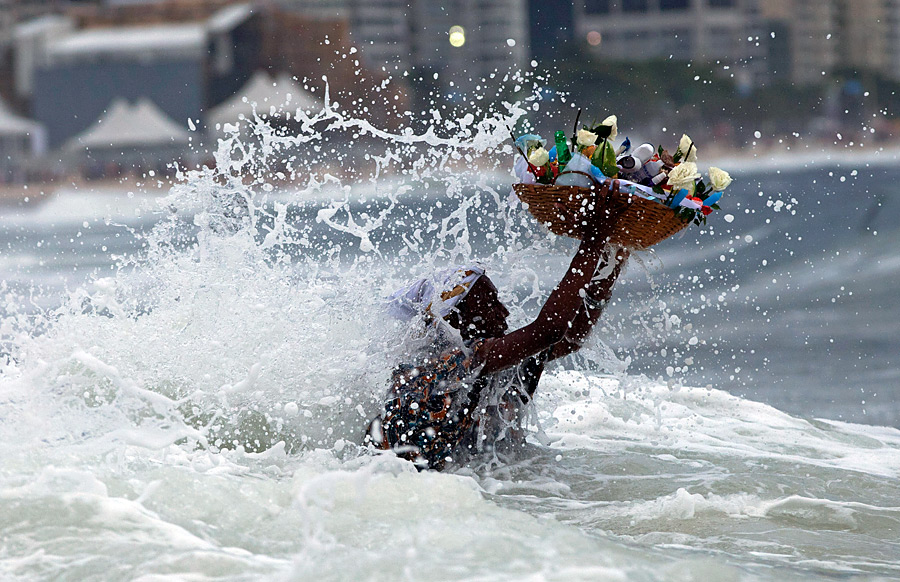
{"points": [[594, 38], [457, 36]]}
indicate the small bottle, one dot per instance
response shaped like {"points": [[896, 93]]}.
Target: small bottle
{"points": [[628, 164], [645, 174], [562, 149], [633, 162], [643, 152]]}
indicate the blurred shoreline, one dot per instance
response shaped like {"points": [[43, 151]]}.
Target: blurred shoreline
{"points": [[801, 155], [766, 156], [36, 193]]}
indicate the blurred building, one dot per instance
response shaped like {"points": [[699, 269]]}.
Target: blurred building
{"points": [[801, 41], [20, 139], [14, 11], [690, 30], [415, 36], [807, 33], [12, 14], [183, 68], [551, 28], [496, 39], [382, 30], [826, 36], [864, 29], [892, 42], [379, 27], [184, 56]]}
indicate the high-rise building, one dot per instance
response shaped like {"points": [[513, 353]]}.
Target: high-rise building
{"points": [[892, 40], [827, 35], [317, 9], [381, 27], [863, 33], [701, 30], [469, 38], [458, 39], [551, 28], [813, 30]]}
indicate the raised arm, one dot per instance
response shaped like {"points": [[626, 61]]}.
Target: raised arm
{"points": [[597, 294], [558, 316]]}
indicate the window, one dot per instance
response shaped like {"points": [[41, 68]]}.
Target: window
{"points": [[596, 6], [721, 43], [677, 43], [634, 5], [674, 4]]}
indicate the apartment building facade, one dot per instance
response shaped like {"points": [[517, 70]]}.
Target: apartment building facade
{"points": [[414, 36], [689, 30]]}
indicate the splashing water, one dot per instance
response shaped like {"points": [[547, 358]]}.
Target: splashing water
{"points": [[196, 414]]}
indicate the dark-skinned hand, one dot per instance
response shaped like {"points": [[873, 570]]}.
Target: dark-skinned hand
{"points": [[596, 221]]}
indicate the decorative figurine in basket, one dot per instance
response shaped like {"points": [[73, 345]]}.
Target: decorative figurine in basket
{"points": [[664, 192]]}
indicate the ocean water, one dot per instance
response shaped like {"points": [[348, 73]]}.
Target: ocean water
{"points": [[184, 380]]}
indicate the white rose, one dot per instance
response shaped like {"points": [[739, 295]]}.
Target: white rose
{"points": [[684, 175], [539, 157], [719, 179], [613, 122], [586, 138], [684, 145]]}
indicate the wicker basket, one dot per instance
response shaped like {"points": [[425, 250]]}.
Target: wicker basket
{"points": [[642, 225]]}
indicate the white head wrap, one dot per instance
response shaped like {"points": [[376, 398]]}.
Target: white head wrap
{"points": [[437, 295]]}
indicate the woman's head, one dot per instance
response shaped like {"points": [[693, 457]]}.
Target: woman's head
{"points": [[463, 296], [480, 314]]}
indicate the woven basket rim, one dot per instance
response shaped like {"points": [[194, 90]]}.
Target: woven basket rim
{"points": [[645, 223]]}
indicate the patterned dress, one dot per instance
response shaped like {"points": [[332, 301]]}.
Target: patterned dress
{"points": [[442, 410]]}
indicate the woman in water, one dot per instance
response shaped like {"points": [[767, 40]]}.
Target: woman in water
{"points": [[458, 401]]}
